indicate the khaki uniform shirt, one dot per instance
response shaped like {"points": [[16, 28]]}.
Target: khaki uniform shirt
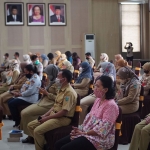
{"points": [[66, 100]]}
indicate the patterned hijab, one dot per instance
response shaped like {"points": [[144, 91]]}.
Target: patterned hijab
{"points": [[109, 69], [86, 72]]}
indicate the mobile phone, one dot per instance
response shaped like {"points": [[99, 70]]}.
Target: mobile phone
{"points": [[39, 118]]}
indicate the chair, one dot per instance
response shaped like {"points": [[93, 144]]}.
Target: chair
{"points": [[129, 121], [118, 129], [1, 123], [146, 106], [138, 68], [56, 134]]}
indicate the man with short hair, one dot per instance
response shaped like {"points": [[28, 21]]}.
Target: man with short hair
{"points": [[16, 56], [5, 63], [60, 114], [38, 64], [14, 17], [90, 60], [57, 17]]}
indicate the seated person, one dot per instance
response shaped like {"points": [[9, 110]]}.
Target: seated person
{"points": [[98, 129], [117, 57], [57, 57], [5, 63], [45, 60], [60, 114], [63, 58], [107, 69], [51, 58], [29, 93], [130, 90], [69, 56], [82, 83], [26, 59], [11, 76], [44, 105], [121, 63], [67, 65], [146, 78], [89, 59], [12, 88], [76, 61], [38, 64], [141, 137]]}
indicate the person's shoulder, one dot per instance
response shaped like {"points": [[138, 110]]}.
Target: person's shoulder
{"points": [[53, 16], [111, 104], [69, 89]]}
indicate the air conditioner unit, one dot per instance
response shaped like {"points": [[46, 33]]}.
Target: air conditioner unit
{"points": [[89, 44]]}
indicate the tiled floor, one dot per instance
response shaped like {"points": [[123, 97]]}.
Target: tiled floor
{"points": [[4, 145]]}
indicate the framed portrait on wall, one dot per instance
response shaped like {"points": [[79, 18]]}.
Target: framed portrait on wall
{"points": [[14, 14], [57, 14], [36, 14]]}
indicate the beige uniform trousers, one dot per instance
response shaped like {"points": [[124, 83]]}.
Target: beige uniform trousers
{"points": [[141, 137], [29, 114], [84, 104], [37, 130], [3, 101]]}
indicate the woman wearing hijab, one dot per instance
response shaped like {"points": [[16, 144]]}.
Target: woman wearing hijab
{"points": [[67, 65], [57, 57], [63, 58], [82, 83], [13, 88], [45, 60], [46, 102], [107, 69], [26, 59], [130, 87], [10, 76]]}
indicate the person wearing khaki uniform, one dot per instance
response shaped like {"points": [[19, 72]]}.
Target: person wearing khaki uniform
{"points": [[60, 114], [131, 87], [141, 135], [82, 83], [11, 77], [146, 78], [46, 102]]}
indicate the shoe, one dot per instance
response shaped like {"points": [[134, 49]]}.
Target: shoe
{"points": [[25, 140], [29, 139]]}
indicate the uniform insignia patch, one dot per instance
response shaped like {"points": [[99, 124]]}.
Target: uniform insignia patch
{"points": [[67, 98], [135, 86]]}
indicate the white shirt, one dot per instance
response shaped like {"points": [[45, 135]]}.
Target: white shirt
{"points": [[14, 16]]}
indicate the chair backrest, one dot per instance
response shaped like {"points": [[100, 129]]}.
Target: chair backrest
{"points": [[75, 119], [118, 129], [141, 99], [138, 68]]}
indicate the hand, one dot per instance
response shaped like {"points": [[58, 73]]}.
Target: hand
{"points": [[76, 131], [11, 87], [16, 94], [44, 119], [43, 91]]}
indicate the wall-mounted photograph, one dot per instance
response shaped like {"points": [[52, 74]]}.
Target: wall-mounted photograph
{"points": [[36, 14], [14, 14], [57, 14]]}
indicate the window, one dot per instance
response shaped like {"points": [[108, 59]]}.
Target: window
{"points": [[130, 24]]}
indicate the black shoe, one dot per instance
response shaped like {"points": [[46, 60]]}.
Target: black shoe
{"points": [[25, 140], [4, 116], [29, 139]]}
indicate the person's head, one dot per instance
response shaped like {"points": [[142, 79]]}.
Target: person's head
{"points": [[63, 57], [57, 53], [125, 74], [57, 10], [26, 58], [35, 59], [118, 57], [130, 44], [14, 10], [36, 10], [122, 63], [29, 70], [104, 57], [64, 77], [50, 56], [16, 55], [104, 88], [6, 56], [14, 64], [44, 57], [52, 72], [146, 68], [66, 64], [87, 55], [75, 55], [68, 54], [84, 66]]}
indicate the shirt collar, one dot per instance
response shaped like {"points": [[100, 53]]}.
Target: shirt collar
{"points": [[64, 88]]}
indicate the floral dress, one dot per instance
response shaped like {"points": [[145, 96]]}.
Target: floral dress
{"points": [[101, 119]]}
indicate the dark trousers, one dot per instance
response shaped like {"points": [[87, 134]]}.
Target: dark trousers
{"points": [[129, 58], [80, 143], [13, 105]]}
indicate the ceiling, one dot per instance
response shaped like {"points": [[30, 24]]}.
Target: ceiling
{"points": [[136, 1]]}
